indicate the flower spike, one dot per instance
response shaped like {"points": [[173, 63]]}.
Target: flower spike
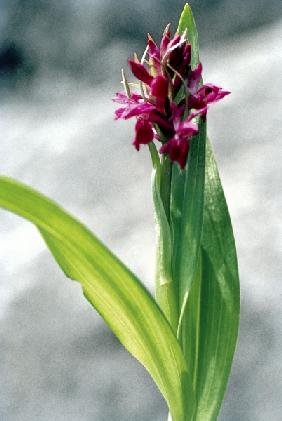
{"points": [[172, 98]]}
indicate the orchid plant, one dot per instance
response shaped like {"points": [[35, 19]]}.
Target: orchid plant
{"points": [[186, 336]]}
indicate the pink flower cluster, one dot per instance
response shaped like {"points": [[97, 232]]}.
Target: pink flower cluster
{"points": [[171, 97]]}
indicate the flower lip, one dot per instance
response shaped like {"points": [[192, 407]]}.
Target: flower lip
{"points": [[144, 133], [122, 98], [132, 107], [177, 149], [206, 94]]}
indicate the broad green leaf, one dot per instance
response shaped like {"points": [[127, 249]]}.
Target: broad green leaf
{"points": [[209, 327], [211, 318], [187, 23], [112, 289]]}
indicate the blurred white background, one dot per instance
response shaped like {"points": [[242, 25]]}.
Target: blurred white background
{"points": [[59, 67]]}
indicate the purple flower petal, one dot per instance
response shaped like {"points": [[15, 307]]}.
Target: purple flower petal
{"points": [[118, 113], [122, 98], [194, 78], [187, 129], [133, 110], [177, 149], [144, 133], [153, 49], [195, 102], [140, 72], [184, 58], [174, 43], [214, 93], [201, 112], [165, 40], [159, 87], [134, 106], [176, 113], [207, 94], [161, 120]]}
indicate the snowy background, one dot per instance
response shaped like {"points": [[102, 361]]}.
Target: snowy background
{"points": [[59, 67]]}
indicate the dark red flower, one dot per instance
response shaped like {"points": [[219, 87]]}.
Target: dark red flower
{"points": [[156, 53], [159, 87], [165, 112], [158, 84], [140, 72], [165, 40], [194, 79], [144, 133], [206, 94], [177, 149], [133, 106], [177, 146]]}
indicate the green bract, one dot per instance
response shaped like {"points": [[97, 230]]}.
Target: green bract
{"points": [[186, 338]]}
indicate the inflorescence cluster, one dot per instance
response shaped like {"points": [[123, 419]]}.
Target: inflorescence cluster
{"points": [[171, 97]]}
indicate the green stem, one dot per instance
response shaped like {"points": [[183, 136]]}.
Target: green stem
{"points": [[165, 184], [166, 289]]}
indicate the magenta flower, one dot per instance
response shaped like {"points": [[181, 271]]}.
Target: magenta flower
{"points": [[158, 84], [160, 114], [206, 94], [194, 79], [177, 147], [133, 106], [144, 133]]}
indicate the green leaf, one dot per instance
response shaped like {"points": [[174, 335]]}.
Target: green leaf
{"points": [[208, 278], [112, 289], [211, 318], [187, 206], [165, 294], [166, 288], [187, 194], [187, 23]]}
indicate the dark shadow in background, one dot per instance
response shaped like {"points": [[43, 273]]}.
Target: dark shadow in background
{"points": [[74, 36]]}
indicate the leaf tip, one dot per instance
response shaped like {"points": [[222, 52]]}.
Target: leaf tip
{"points": [[185, 15]]}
